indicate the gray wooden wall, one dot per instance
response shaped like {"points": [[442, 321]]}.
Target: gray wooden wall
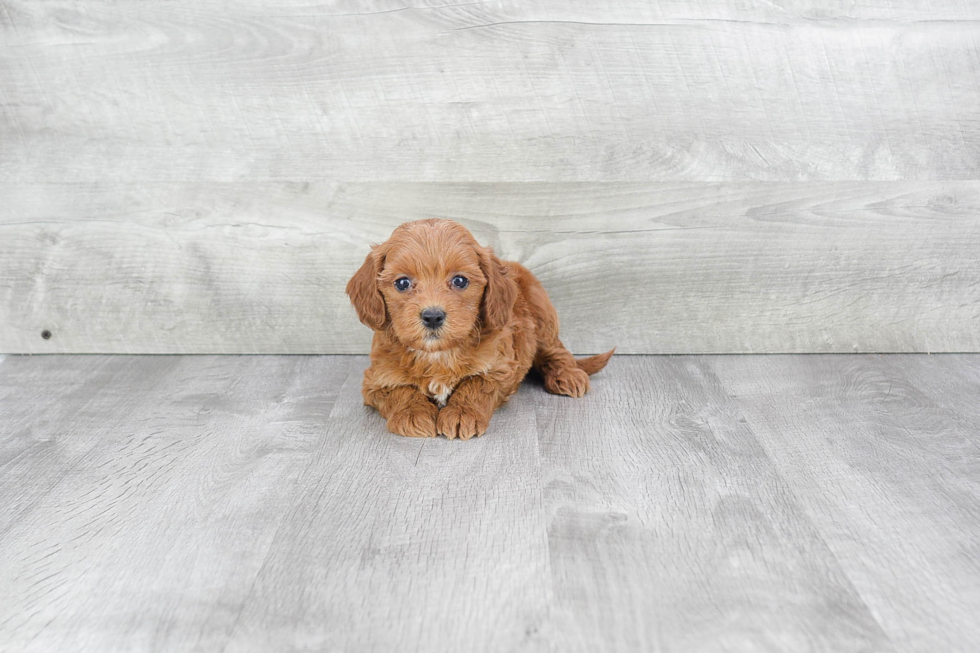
{"points": [[684, 176]]}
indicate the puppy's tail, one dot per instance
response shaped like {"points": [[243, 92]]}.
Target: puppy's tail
{"points": [[593, 364]]}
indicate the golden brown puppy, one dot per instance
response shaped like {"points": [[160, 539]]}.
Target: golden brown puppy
{"points": [[455, 332]]}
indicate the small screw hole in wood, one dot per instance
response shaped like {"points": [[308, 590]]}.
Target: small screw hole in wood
{"points": [[46, 334]]}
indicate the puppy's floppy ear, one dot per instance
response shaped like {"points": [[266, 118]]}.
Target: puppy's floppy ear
{"points": [[500, 293], [364, 294]]}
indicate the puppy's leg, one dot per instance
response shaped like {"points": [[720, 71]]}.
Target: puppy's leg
{"points": [[562, 375], [469, 408], [408, 411]]}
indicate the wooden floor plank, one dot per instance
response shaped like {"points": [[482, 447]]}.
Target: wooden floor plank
{"points": [[152, 539], [56, 409], [890, 478], [405, 544], [815, 503], [670, 528]]}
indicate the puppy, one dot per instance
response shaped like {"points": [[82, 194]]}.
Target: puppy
{"points": [[455, 332]]}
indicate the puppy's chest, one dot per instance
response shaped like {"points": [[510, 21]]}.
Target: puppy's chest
{"points": [[439, 391], [438, 380]]}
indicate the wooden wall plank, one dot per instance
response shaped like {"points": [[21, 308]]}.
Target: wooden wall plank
{"points": [[115, 117], [650, 268], [488, 91]]}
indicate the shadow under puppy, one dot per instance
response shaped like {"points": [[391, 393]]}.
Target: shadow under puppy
{"points": [[455, 332]]}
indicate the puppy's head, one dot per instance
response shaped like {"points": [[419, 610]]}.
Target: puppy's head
{"points": [[433, 286]]}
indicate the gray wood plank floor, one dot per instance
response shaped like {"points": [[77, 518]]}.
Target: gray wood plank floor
{"points": [[689, 503]]}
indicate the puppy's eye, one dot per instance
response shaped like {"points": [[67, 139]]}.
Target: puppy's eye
{"points": [[402, 284], [459, 281]]}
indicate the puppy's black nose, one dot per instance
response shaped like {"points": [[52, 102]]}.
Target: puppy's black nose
{"points": [[433, 318]]}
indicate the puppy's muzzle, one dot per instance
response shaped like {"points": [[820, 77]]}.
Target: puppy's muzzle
{"points": [[433, 317]]}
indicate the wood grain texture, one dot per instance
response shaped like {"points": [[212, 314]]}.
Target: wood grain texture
{"points": [[670, 528], [400, 544], [40, 441], [488, 91], [183, 479], [886, 453], [670, 268], [202, 177], [772, 503]]}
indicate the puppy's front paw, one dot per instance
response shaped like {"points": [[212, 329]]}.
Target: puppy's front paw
{"points": [[416, 421], [458, 422], [569, 381]]}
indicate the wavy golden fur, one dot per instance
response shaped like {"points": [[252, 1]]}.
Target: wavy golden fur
{"points": [[484, 333]]}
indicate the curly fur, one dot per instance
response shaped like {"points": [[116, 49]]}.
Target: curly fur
{"points": [[450, 381]]}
